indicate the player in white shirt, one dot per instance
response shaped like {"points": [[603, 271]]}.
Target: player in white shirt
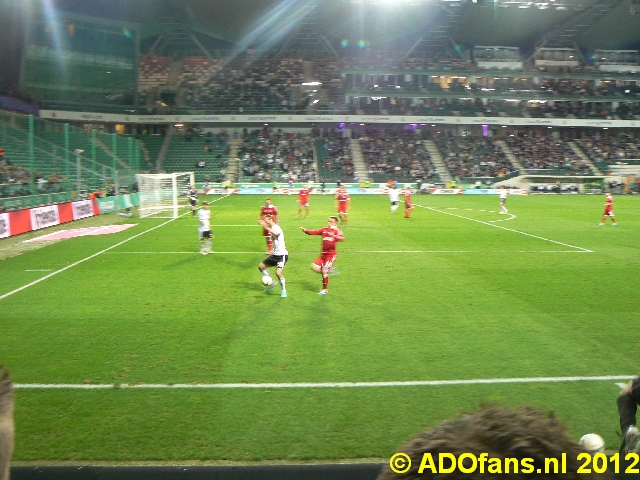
{"points": [[503, 199], [394, 198], [204, 229], [279, 256]]}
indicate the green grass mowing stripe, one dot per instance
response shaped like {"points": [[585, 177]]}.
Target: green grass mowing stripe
{"points": [[35, 282], [508, 229], [284, 424]]}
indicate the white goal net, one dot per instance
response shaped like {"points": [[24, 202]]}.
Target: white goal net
{"points": [[162, 194]]}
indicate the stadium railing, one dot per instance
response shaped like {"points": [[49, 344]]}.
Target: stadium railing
{"points": [[75, 156]]}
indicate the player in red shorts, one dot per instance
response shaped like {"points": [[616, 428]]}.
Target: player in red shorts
{"points": [[303, 200], [408, 204], [343, 204], [268, 209], [324, 263], [608, 210]]}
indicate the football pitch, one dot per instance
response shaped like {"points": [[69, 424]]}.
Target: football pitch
{"points": [[134, 347]]}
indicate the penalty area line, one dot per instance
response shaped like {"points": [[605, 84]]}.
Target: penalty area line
{"points": [[417, 383], [42, 279], [585, 250]]}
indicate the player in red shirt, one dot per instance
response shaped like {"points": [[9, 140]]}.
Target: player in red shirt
{"points": [[268, 209], [408, 204], [343, 204], [608, 210], [303, 200], [324, 263]]}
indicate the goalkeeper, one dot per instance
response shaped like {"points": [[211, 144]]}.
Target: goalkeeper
{"points": [[192, 193]]}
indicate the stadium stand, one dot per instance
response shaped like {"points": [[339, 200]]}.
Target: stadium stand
{"points": [[473, 157], [544, 155], [78, 139], [277, 156], [432, 85], [197, 71], [242, 85], [79, 60], [151, 145], [206, 154], [396, 154], [15, 178], [335, 160], [610, 151], [153, 72]]}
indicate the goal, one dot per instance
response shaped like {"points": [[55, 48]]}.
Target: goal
{"points": [[162, 194]]}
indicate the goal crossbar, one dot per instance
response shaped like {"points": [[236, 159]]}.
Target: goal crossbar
{"points": [[162, 194]]}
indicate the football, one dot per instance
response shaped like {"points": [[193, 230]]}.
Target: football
{"points": [[266, 280], [592, 443]]}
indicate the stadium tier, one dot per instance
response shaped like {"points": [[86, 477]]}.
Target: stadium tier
{"points": [[50, 157], [548, 153], [205, 154], [244, 85], [401, 155], [335, 160], [268, 156], [151, 146], [472, 156], [611, 151]]}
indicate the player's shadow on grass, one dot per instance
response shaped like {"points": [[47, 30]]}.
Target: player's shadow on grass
{"points": [[230, 260], [311, 286], [186, 261]]}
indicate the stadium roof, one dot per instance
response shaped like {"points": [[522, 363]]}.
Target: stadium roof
{"points": [[590, 24]]}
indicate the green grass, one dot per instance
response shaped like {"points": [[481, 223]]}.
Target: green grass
{"points": [[475, 302]]}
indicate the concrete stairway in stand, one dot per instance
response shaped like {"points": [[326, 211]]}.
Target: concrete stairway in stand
{"points": [[359, 167], [107, 149], [307, 71], [585, 158], [234, 161], [175, 69], [509, 154], [437, 161]]}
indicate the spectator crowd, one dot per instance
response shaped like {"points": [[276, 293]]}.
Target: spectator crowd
{"points": [[612, 149], [249, 84], [15, 180], [244, 86], [547, 153], [277, 156], [473, 156], [398, 154], [337, 159]]}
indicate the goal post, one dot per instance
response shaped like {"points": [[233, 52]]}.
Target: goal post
{"points": [[162, 194]]}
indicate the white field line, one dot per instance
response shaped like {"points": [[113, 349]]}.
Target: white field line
{"points": [[41, 279], [511, 217], [508, 229], [417, 383], [216, 226]]}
